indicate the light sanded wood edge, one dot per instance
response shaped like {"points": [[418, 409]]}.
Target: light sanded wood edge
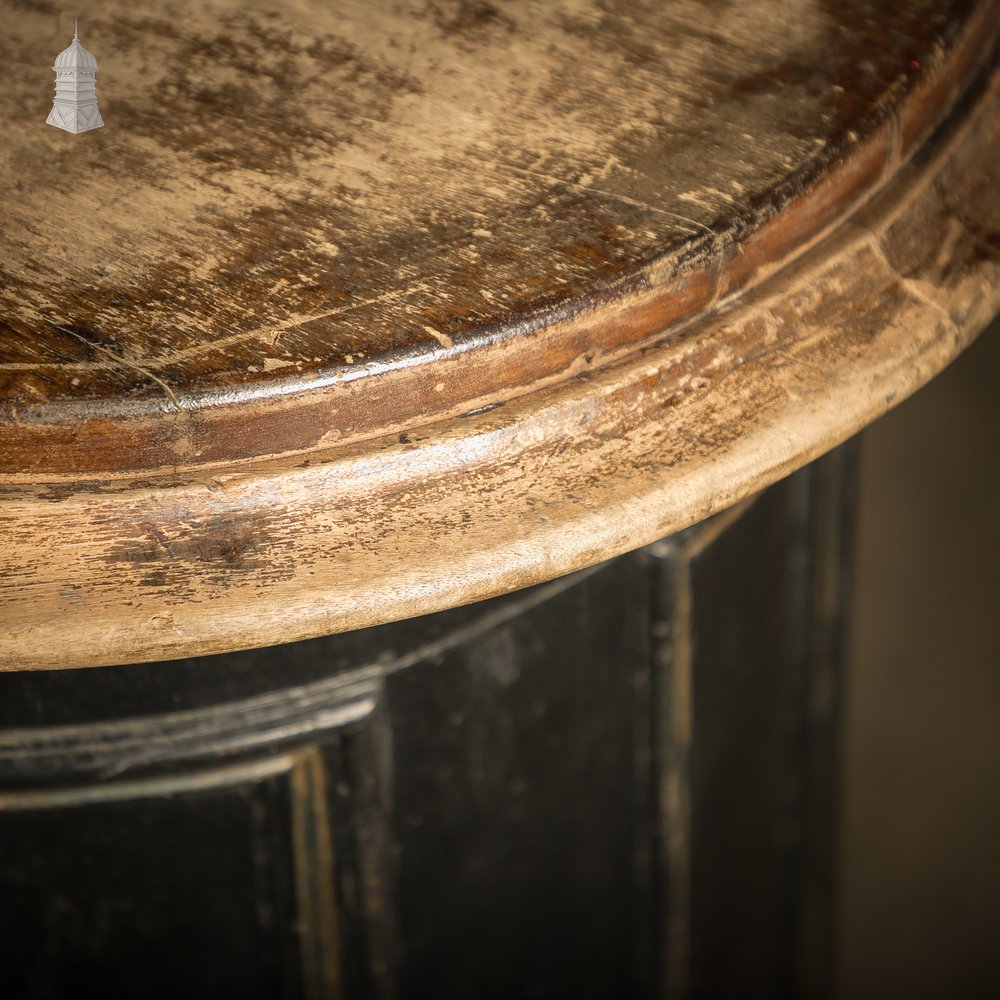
{"points": [[548, 483]]}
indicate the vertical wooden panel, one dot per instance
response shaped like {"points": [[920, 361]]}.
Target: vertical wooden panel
{"points": [[765, 609], [360, 807], [514, 760], [150, 888], [255, 878]]}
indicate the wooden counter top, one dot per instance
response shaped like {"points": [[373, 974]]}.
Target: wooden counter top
{"points": [[353, 312]]}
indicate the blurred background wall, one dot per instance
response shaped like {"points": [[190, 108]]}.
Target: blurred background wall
{"points": [[920, 780]]}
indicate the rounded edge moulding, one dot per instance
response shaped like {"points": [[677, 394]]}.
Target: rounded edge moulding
{"points": [[810, 329]]}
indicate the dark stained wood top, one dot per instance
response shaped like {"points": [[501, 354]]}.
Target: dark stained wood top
{"points": [[357, 311], [295, 209]]}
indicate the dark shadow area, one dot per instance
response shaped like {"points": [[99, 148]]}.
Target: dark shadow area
{"points": [[920, 862]]}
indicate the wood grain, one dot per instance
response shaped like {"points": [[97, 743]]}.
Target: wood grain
{"points": [[481, 300]]}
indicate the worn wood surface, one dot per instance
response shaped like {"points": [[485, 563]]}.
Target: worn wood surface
{"points": [[348, 316]]}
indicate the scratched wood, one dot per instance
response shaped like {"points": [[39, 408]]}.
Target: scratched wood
{"points": [[358, 311]]}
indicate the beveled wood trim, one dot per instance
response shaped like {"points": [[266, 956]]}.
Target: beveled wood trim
{"points": [[548, 482], [130, 789]]}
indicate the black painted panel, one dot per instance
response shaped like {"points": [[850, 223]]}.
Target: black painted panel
{"points": [[155, 895], [515, 799], [737, 641]]}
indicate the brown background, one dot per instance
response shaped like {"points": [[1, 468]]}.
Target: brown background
{"points": [[920, 894]]}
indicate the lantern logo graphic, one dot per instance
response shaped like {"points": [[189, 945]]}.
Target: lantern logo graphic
{"points": [[75, 106]]}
